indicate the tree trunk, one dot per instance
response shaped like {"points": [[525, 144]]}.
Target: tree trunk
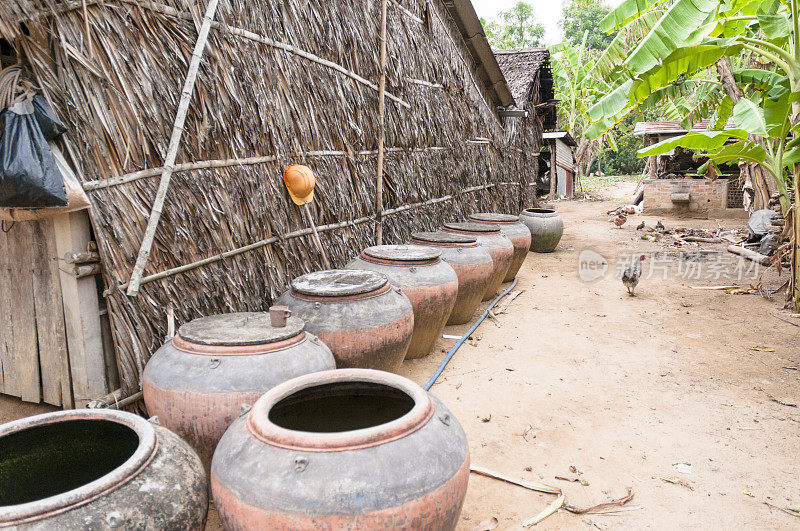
{"points": [[758, 183]]}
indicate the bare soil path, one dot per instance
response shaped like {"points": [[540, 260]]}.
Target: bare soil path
{"points": [[626, 388], [623, 389]]}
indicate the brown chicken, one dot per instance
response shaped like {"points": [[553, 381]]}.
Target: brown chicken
{"points": [[620, 220]]}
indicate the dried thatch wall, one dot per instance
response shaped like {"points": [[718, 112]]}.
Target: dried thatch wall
{"points": [[118, 93]]}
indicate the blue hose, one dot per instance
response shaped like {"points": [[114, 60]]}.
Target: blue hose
{"points": [[465, 336]]}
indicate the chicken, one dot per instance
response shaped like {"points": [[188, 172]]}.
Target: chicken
{"points": [[631, 275], [660, 227], [620, 220], [640, 226]]}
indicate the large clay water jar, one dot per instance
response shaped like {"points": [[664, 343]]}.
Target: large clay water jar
{"points": [[546, 228], [496, 243], [365, 321], [518, 233], [430, 284], [472, 263], [98, 469], [345, 449], [197, 382]]}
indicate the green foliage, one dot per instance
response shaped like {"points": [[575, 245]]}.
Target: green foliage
{"points": [[514, 29], [580, 16]]}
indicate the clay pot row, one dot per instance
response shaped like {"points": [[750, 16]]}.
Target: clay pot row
{"points": [[337, 449]]}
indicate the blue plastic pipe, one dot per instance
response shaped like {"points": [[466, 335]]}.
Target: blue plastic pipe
{"points": [[465, 336]]}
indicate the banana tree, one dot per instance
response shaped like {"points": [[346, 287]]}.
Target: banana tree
{"points": [[689, 37], [577, 88]]}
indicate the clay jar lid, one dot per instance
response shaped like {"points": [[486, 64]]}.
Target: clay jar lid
{"points": [[339, 283], [493, 217], [447, 238], [401, 255], [237, 333], [471, 227]]}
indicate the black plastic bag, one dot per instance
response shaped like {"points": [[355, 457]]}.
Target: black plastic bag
{"points": [[48, 121], [29, 177]]}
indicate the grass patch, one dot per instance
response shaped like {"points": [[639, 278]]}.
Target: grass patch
{"points": [[594, 186]]}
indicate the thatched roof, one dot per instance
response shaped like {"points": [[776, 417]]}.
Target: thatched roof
{"points": [[521, 67], [530, 79], [279, 83]]}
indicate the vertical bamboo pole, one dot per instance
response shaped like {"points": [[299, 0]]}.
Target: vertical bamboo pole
{"points": [[553, 170], [172, 151], [381, 126]]}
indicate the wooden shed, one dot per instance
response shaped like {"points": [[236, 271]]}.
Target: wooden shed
{"points": [[562, 162], [181, 116]]}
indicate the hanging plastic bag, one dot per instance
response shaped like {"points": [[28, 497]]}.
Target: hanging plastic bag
{"points": [[48, 121], [29, 177]]}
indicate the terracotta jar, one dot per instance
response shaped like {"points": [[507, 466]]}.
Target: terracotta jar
{"points": [[497, 244], [471, 262], [364, 320], [345, 449], [546, 228], [197, 382], [430, 284], [98, 469], [518, 233]]}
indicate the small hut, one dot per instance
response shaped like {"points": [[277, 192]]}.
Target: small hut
{"points": [[562, 162], [181, 116], [673, 182]]}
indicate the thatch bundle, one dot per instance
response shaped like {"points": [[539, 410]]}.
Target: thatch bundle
{"points": [[265, 90]]}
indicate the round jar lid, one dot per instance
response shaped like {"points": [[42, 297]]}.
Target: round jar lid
{"points": [[339, 283], [493, 217], [471, 226], [402, 253], [238, 329], [443, 237]]}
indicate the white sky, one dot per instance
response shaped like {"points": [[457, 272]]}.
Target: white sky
{"points": [[548, 12]]}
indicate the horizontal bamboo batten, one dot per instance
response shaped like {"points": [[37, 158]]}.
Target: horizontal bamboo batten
{"points": [[298, 234]]}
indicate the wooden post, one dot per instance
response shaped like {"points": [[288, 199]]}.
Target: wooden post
{"points": [[172, 151], [81, 311], [553, 170], [381, 126]]}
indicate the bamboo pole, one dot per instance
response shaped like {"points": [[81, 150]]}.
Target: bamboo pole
{"points": [[297, 234], [317, 240], [172, 152], [310, 56], [381, 126], [226, 163]]}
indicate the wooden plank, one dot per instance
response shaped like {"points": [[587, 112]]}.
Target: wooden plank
{"points": [[81, 312], [53, 360], [23, 352], [6, 387]]}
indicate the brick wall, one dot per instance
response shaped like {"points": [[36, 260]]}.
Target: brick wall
{"points": [[705, 196]]}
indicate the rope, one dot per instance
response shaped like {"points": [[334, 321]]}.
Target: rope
{"points": [[14, 87]]}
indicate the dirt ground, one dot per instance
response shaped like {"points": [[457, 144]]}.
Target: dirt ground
{"points": [[627, 390]]}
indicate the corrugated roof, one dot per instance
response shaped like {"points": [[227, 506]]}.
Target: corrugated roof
{"points": [[564, 136], [667, 127]]}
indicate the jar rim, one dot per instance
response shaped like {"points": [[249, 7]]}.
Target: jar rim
{"points": [[116, 478], [265, 430]]}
